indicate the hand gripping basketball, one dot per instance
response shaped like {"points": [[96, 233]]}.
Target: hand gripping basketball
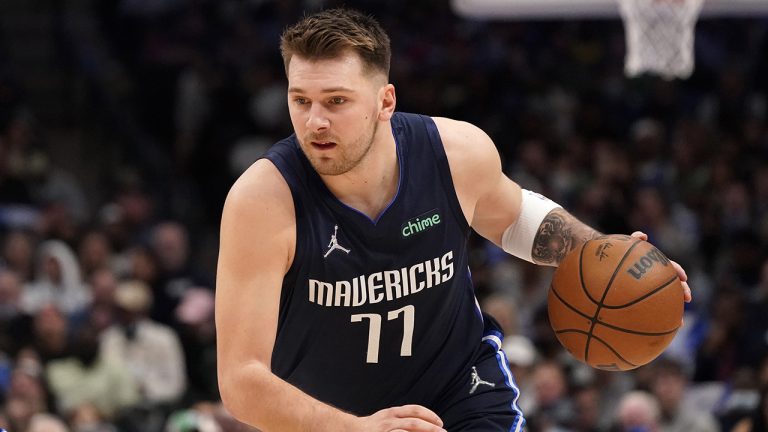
{"points": [[680, 271], [617, 302]]}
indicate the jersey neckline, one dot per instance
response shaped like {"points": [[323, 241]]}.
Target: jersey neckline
{"points": [[331, 199]]}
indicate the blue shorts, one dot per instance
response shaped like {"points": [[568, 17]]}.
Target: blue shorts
{"points": [[486, 401]]}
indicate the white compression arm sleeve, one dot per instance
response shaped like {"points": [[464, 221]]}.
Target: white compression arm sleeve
{"points": [[518, 238]]}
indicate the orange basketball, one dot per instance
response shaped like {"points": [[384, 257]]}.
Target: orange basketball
{"points": [[615, 303]]}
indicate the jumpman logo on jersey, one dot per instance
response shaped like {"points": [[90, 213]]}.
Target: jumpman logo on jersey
{"points": [[334, 244], [476, 381]]}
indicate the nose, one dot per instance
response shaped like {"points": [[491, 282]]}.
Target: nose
{"points": [[317, 121]]}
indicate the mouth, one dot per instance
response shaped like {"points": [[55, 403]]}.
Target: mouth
{"points": [[323, 145]]}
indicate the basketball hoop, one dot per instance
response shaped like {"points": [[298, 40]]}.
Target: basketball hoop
{"points": [[659, 33], [659, 36]]}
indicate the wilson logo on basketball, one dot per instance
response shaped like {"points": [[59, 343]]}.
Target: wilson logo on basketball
{"points": [[642, 265]]}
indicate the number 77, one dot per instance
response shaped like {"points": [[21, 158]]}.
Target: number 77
{"points": [[374, 331]]}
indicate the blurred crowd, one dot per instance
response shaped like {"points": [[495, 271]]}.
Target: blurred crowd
{"points": [[106, 299]]}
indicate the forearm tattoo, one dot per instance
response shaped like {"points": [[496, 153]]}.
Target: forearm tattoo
{"points": [[559, 234]]}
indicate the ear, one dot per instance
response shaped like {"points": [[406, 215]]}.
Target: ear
{"points": [[388, 102]]}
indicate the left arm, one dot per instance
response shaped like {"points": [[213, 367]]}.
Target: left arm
{"points": [[491, 202]]}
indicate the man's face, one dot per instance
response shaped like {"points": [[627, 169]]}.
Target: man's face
{"points": [[334, 106]]}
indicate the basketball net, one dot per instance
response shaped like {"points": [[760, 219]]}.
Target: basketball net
{"points": [[659, 36]]}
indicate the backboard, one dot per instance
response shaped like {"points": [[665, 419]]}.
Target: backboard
{"points": [[569, 9]]}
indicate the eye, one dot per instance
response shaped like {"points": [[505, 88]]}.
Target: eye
{"points": [[337, 100], [300, 101]]}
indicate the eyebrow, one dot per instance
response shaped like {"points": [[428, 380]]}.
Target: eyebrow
{"points": [[339, 89]]}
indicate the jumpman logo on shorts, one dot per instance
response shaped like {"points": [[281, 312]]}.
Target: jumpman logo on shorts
{"points": [[476, 381], [334, 244]]}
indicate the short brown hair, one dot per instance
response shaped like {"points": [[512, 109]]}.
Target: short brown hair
{"points": [[331, 32]]}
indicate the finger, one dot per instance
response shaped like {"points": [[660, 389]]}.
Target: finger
{"points": [[687, 293], [641, 235], [680, 271], [414, 425], [683, 278], [417, 411]]}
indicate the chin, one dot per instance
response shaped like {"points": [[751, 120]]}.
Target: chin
{"points": [[330, 169]]}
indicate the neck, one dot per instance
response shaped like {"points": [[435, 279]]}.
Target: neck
{"points": [[372, 184]]}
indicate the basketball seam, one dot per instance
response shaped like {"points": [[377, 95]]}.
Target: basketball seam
{"points": [[605, 294], [600, 340], [655, 290], [603, 323], [581, 273], [568, 305]]}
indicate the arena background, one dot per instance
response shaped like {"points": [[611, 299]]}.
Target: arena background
{"points": [[124, 122]]}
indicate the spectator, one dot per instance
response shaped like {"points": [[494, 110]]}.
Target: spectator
{"points": [[552, 408], [724, 346], [57, 281], [612, 387], [87, 418], [13, 187], [198, 337], [757, 420], [46, 423], [638, 411], [142, 265], [94, 253], [18, 254], [27, 386], [15, 324], [587, 409], [151, 351], [192, 420], [669, 385], [101, 313], [665, 226], [170, 244], [60, 197], [19, 413], [504, 310], [86, 377], [50, 334]]}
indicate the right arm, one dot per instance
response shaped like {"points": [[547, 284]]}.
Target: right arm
{"points": [[258, 232]]}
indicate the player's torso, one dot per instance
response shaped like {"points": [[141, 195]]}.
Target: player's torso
{"points": [[375, 310]]}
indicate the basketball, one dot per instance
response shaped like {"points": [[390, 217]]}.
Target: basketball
{"points": [[615, 303]]}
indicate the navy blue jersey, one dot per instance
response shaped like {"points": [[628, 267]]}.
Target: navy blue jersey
{"points": [[378, 313]]}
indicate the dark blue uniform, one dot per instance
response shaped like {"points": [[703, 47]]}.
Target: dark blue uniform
{"points": [[381, 313]]}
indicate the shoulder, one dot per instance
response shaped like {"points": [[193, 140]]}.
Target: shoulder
{"points": [[472, 156], [261, 191], [466, 144], [258, 215]]}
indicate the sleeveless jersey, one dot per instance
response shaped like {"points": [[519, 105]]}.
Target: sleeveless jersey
{"points": [[378, 313]]}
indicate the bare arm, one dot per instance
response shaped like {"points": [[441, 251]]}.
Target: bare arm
{"points": [[491, 201], [258, 232]]}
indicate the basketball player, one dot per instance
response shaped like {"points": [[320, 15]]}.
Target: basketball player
{"points": [[344, 301]]}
